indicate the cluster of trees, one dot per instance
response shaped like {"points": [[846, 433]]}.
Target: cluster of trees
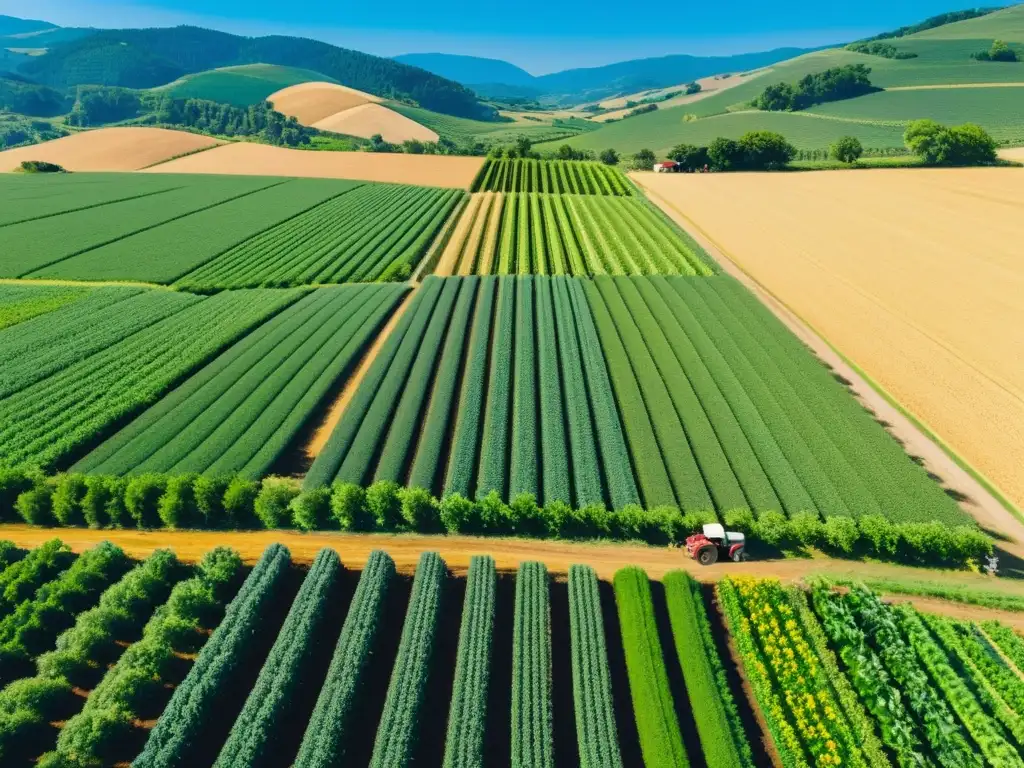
{"points": [[642, 110], [999, 51], [416, 147], [932, 22], [885, 50], [523, 148], [754, 151], [16, 130], [190, 501], [833, 84], [937, 144], [25, 98]]}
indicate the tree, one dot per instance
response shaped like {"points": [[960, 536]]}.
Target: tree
{"points": [[689, 156], [936, 144], [725, 155], [765, 150], [999, 51], [848, 149], [523, 146], [565, 152], [643, 160], [610, 157], [693, 88]]}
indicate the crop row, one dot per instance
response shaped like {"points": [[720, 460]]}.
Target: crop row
{"points": [[532, 719], [399, 729], [20, 580], [240, 412], [52, 418], [741, 431], [158, 254], [467, 719], [578, 235], [555, 176], [525, 351], [29, 705], [195, 703], [282, 678], [375, 232]]}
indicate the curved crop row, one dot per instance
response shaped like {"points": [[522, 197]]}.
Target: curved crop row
{"points": [[323, 744]]}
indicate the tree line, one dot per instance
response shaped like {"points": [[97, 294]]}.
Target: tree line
{"points": [[833, 84]]}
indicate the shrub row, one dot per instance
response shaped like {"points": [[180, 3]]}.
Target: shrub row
{"points": [[190, 501], [398, 732], [195, 702], [464, 744], [20, 580], [279, 686], [323, 744], [35, 624], [136, 682]]}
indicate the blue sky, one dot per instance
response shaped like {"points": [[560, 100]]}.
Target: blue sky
{"points": [[540, 37]]}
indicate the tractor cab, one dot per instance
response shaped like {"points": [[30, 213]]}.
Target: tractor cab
{"points": [[716, 542]]}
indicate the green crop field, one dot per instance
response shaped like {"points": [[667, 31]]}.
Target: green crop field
{"points": [[311, 663], [1007, 24], [555, 176], [579, 235], [242, 85]]}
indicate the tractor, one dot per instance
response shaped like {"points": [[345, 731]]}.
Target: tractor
{"points": [[715, 542]]}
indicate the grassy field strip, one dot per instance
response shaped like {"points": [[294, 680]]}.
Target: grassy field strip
{"points": [[19, 303], [337, 408], [45, 243], [239, 413], [948, 86], [155, 254], [53, 418]]}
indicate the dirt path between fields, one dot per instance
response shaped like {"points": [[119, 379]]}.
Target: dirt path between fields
{"points": [[323, 432], [973, 496]]}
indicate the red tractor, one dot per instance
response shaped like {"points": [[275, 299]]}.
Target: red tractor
{"points": [[707, 547]]}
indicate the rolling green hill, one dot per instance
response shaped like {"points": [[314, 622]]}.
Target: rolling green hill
{"points": [[943, 58], [242, 85], [467, 132]]}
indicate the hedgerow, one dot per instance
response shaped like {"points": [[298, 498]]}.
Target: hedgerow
{"points": [[464, 743], [387, 506], [324, 742], [229, 650], [398, 732], [20, 580], [653, 707]]}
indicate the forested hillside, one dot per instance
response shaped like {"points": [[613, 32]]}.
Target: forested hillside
{"points": [[144, 58]]}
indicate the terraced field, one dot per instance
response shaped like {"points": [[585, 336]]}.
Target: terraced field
{"points": [[213, 663]]}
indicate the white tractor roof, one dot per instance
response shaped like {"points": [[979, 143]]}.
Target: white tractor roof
{"points": [[714, 531]]}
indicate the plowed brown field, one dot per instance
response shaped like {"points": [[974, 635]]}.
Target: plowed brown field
{"points": [[109, 149], [913, 275], [263, 160]]}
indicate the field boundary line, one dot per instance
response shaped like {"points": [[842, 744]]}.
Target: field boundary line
{"points": [[139, 231], [82, 283], [952, 86], [433, 255], [220, 143], [1000, 514], [336, 409], [89, 207]]}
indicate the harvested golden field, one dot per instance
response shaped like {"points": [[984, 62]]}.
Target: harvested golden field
{"points": [[1016, 154], [914, 275], [311, 102], [109, 149], [263, 160], [367, 120]]}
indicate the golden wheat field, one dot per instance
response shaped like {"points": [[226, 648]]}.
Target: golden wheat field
{"points": [[917, 276]]}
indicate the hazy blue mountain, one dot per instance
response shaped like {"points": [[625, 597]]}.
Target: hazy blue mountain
{"points": [[469, 69], [9, 25]]}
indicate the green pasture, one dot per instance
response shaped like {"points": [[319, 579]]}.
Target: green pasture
{"points": [[464, 131], [241, 86]]}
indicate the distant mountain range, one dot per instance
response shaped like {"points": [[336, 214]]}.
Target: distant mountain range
{"points": [[495, 78]]}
